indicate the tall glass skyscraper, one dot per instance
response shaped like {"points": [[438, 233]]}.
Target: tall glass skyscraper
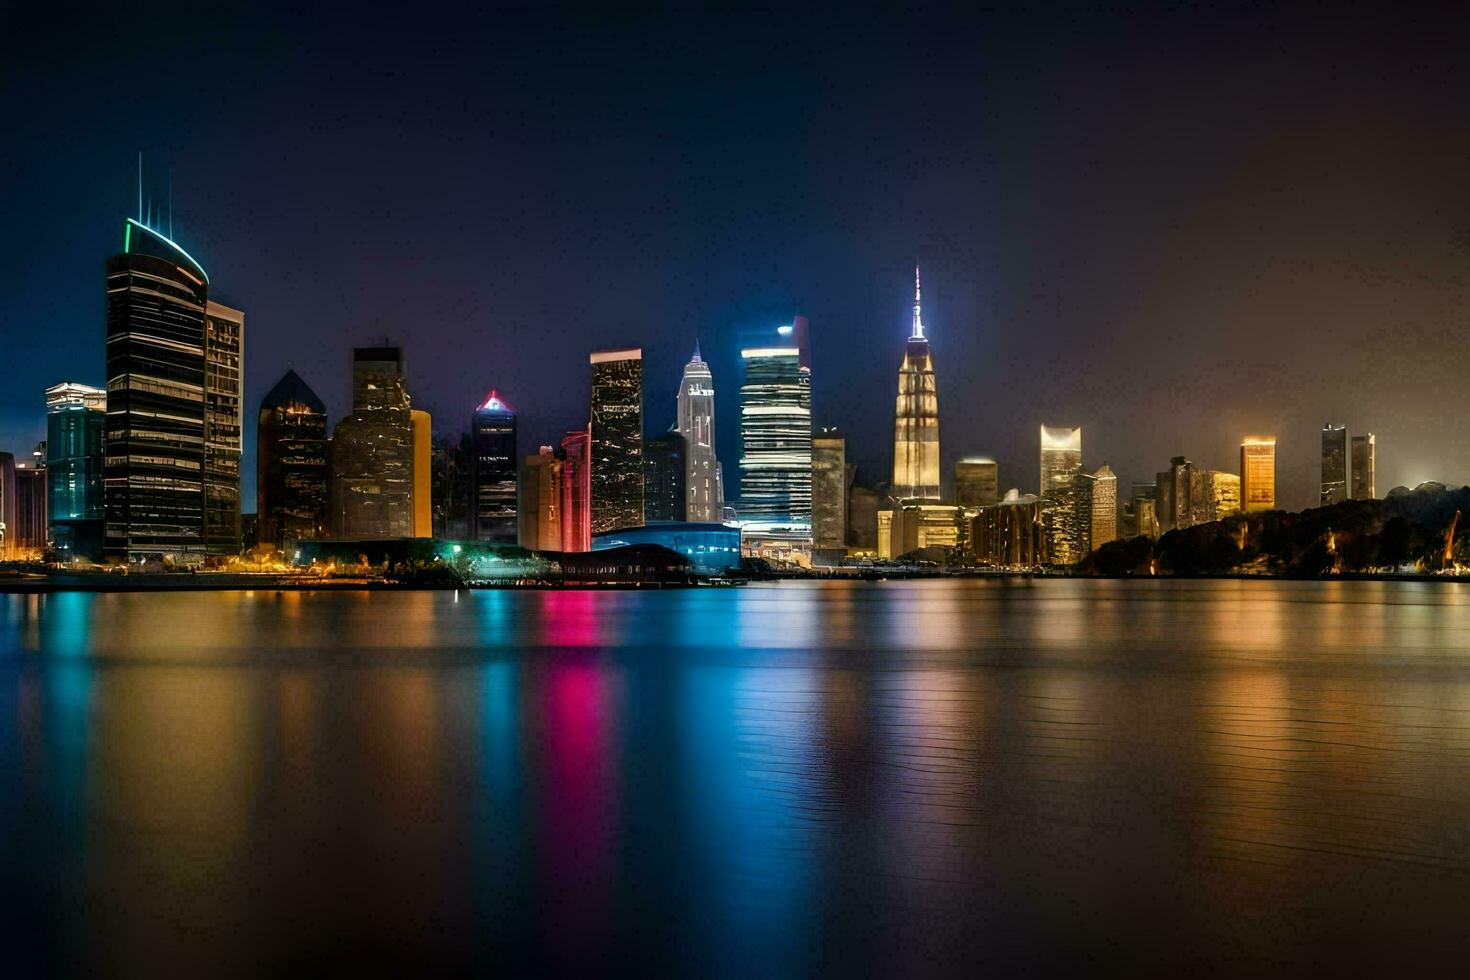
{"points": [[1365, 466], [153, 473], [703, 483], [976, 482], [916, 417], [1061, 456], [776, 439], [76, 422], [829, 491], [1334, 464], [496, 486], [291, 463], [576, 492], [664, 472], [224, 425], [1258, 473], [372, 451], [617, 439]]}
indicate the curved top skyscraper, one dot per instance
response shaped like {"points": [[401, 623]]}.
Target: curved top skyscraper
{"points": [[916, 417], [703, 486]]}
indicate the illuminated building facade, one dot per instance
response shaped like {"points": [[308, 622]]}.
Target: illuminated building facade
{"points": [[976, 482], [1365, 466], [576, 492], [1258, 474], [776, 440], [1011, 533], [1143, 507], [291, 488], [153, 469], [711, 548], [423, 473], [1222, 492], [829, 492], [703, 482], [7, 506], [373, 451], [1061, 456], [617, 439], [916, 526], [224, 425], [540, 506], [76, 424], [1097, 500], [1334, 464], [664, 471], [496, 487], [1068, 519], [862, 519], [28, 533], [916, 416]]}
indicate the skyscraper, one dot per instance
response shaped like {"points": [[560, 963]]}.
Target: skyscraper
{"points": [[8, 526], [153, 473], [664, 471], [916, 416], [224, 425], [829, 491], [1258, 473], [1365, 465], [423, 475], [28, 534], [976, 482], [291, 464], [1012, 532], [493, 429], [1181, 493], [617, 439], [776, 440], [76, 423], [1222, 491], [1069, 519], [703, 482], [1098, 498], [576, 492], [1061, 456], [372, 451], [1334, 464], [540, 506]]}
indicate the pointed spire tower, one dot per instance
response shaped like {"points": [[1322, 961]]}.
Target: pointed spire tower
{"points": [[704, 486], [916, 416]]}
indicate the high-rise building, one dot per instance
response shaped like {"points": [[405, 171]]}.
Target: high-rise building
{"points": [[1145, 512], [1334, 464], [703, 482], [916, 525], [1222, 495], [540, 506], [224, 425], [1061, 456], [493, 429], [291, 478], [776, 440], [8, 547], [829, 492], [664, 471], [976, 482], [1365, 465], [1097, 501], [28, 533], [373, 451], [153, 470], [1258, 473], [862, 518], [576, 492], [916, 416], [1011, 533], [1068, 517], [617, 439], [452, 486], [76, 423], [423, 473]]}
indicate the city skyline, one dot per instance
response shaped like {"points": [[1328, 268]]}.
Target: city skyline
{"points": [[1281, 263]]}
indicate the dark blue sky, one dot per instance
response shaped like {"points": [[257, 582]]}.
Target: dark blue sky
{"points": [[1173, 230]]}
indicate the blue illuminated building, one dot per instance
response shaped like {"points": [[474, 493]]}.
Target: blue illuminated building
{"points": [[712, 548]]}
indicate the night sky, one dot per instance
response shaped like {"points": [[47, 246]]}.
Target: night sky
{"points": [[1173, 230]]}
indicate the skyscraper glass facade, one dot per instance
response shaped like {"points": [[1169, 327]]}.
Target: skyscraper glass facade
{"points": [[576, 492], [76, 423], [1365, 466], [1334, 464], [493, 428], [976, 482], [776, 440], [372, 451], [224, 423], [617, 439], [1258, 474], [916, 417], [664, 472], [1061, 456], [703, 481], [291, 464]]}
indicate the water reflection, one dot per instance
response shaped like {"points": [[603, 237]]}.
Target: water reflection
{"points": [[899, 779]]}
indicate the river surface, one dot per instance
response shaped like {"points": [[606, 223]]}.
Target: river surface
{"points": [[894, 779]]}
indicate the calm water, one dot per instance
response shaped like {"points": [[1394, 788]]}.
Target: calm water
{"points": [[887, 779]]}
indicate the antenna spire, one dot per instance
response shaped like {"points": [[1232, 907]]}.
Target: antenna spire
{"points": [[918, 333], [140, 186], [170, 201], [696, 349]]}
